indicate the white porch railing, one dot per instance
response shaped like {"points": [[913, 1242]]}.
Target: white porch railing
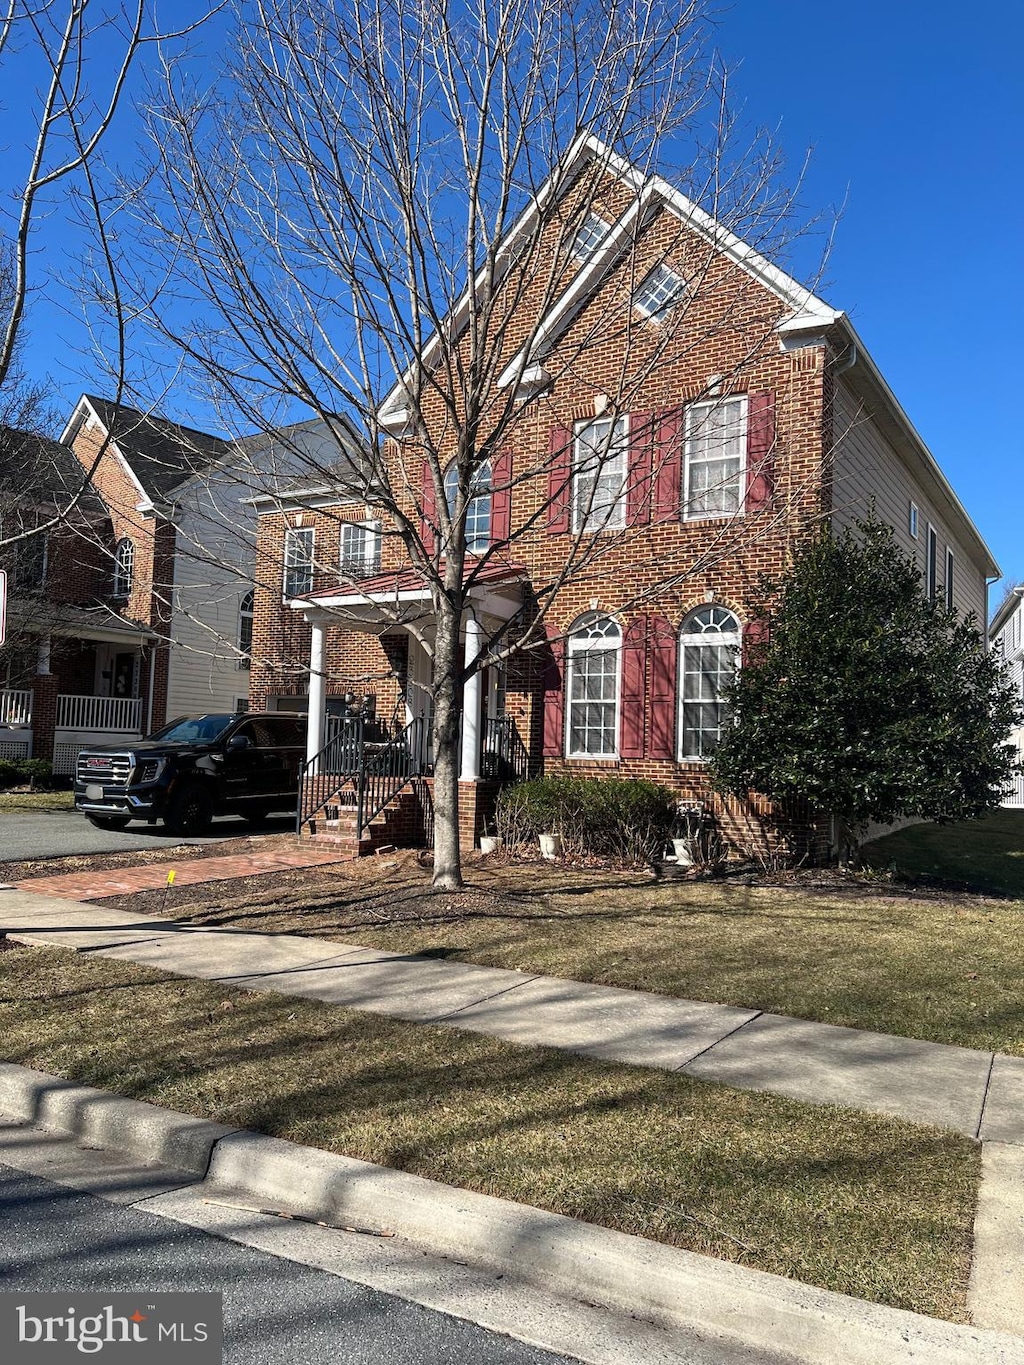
{"points": [[99, 713], [1014, 795], [15, 707]]}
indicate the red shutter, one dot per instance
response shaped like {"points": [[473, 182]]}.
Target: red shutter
{"points": [[760, 451], [559, 479], [428, 510], [668, 465], [662, 656], [554, 697], [755, 642], [633, 701], [638, 483], [501, 496]]}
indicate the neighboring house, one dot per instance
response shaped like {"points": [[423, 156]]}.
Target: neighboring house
{"points": [[772, 417], [141, 600], [1006, 636]]}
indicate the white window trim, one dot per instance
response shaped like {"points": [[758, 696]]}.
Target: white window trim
{"points": [[732, 638], [616, 522], [583, 253], [124, 581], [372, 544], [291, 535], [244, 661], [587, 648], [913, 520], [474, 547], [684, 491], [671, 300]]}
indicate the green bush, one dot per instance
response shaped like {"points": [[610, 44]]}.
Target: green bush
{"points": [[616, 818], [15, 772]]}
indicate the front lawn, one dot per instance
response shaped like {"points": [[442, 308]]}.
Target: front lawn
{"points": [[917, 962], [859, 1204], [982, 855], [26, 800]]}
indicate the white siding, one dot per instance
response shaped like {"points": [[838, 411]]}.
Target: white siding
{"points": [[868, 471], [215, 558]]}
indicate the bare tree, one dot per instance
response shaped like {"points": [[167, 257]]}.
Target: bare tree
{"points": [[80, 54], [376, 218]]}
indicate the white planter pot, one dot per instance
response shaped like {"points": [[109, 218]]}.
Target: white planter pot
{"points": [[683, 852], [489, 843], [550, 846]]}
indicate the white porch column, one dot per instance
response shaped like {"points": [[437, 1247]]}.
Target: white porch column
{"points": [[43, 655], [471, 707], [316, 724]]}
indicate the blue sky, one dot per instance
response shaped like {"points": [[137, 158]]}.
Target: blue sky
{"points": [[915, 115]]}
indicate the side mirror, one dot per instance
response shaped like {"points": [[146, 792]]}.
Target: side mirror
{"points": [[237, 742]]}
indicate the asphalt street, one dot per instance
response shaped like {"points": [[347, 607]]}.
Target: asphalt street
{"points": [[276, 1312], [54, 834]]}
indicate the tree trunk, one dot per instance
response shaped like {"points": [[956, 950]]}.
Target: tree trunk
{"points": [[447, 730]]}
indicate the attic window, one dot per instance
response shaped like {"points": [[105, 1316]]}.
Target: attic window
{"points": [[589, 236], [659, 293]]}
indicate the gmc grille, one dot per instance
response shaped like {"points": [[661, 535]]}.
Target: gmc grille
{"points": [[105, 769]]}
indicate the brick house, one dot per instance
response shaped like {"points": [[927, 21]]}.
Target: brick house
{"points": [[136, 606], [685, 409]]}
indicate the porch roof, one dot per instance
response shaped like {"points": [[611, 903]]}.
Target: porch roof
{"points": [[37, 617], [402, 596]]}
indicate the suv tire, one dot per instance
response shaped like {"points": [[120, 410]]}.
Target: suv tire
{"points": [[189, 811]]}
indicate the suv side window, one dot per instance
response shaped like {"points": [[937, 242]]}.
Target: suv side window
{"points": [[247, 731], [286, 731]]}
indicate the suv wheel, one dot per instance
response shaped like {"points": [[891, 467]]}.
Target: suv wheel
{"points": [[189, 811], [109, 821]]}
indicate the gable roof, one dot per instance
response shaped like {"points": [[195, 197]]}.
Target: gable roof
{"points": [[39, 470], [160, 454]]}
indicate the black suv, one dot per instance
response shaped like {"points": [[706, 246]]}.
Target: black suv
{"points": [[193, 769]]}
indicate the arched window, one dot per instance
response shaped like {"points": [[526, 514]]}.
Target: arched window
{"points": [[593, 654], [478, 511], [245, 629], [708, 659], [124, 564]]}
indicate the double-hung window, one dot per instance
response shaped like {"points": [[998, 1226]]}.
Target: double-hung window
{"points": [[360, 549], [593, 653], [478, 508], [659, 292], [245, 615], [589, 235], [716, 443], [709, 645], [298, 561], [600, 459]]}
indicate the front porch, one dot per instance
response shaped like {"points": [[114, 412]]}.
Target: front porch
{"points": [[79, 720], [368, 780]]}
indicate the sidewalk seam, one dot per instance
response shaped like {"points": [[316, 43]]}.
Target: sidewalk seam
{"points": [[711, 1046], [984, 1097], [495, 995]]}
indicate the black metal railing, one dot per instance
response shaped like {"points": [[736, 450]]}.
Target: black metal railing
{"points": [[504, 755], [363, 765]]}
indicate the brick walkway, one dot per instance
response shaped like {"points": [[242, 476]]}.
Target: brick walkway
{"points": [[119, 881]]}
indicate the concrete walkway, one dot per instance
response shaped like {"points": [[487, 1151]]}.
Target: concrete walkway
{"points": [[980, 1094]]}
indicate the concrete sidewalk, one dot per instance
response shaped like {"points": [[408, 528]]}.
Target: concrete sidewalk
{"points": [[980, 1094]]}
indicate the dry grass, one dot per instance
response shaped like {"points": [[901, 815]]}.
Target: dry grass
{"points": [[29, 800], [862, 1205], [921, 963]]}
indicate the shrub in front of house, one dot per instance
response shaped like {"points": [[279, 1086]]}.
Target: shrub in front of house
{"points": [[626, 821], [15, 772]]}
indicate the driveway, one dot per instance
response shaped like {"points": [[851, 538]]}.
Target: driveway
{"points": [[55, 834]]}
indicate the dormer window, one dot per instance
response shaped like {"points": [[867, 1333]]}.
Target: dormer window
{"points": [[589, 236], [124, 566], [659, 293]]}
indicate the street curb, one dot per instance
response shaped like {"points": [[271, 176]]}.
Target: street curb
{"points": [[783, 1319], [99, 1118]]}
